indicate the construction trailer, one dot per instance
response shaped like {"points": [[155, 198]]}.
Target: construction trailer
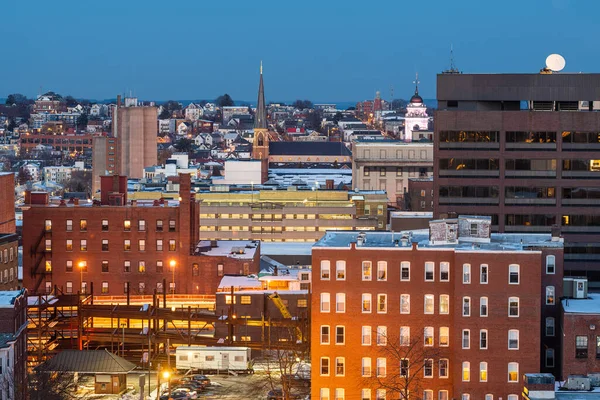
{"points": [[213, 359]]}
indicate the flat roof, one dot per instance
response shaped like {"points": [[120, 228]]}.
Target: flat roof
{"points": [[498, 241], [591, 305], [8, 297], [286, 248], [227, 248]]}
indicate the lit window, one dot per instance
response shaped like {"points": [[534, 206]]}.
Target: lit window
{"points": [[366, 302], [220, 270], [444, 271], [159, 225], [69, 225], [48, 247], [142, 244], [513, 306], [69, 267], [466, 371], [104, 287], [405, 271], [172, 245], [325, 270], [429, 306], [340, 302], [466, 273], [549, 326], [48, 225], [466, 306], [405, 336], [444, 336], [340, 270], [48, 266], [513, 274], [381, 270], [366, 366], [483, 307], [444, 304], [428, 394], [83, 225], [513, 339], [246, 300], [550, 295], [405, 304], [127, 245], [380, 394], [581, 346], [428, 336], [126, 266], [69, 287], [83, 245], [340, 334], [550, 264], [171, 225], [324, 392], [104, 225], [69, 246], [366, 270], [382, 303], [483, 371], [366, 336], [381, 335], [443, 368], [159, 245], [104, 244], [141, 225], [513, 372], [381, 367], [466, 339], [365, 394], [324, 366], [325, 302], [429, 272], [105, 266], [483, 339], [340, 367], [141, 266], [325, 334], [127, 225], [483, 274]]}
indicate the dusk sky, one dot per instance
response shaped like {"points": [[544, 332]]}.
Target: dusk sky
{"points": [[317, 50]]}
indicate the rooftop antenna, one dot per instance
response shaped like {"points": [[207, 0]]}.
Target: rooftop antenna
{"points": [[416, 82], [554, 63], [453, 69]]}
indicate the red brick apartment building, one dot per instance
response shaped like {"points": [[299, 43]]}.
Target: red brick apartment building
{"points": [[13, 344], [465, 305], [113, 245]]}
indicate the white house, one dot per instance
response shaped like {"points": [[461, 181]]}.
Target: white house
{"points": [[194, 112]]}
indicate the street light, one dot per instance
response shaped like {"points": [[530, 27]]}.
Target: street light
{"points": [[167, 376], [173, 263], [81, 265]]}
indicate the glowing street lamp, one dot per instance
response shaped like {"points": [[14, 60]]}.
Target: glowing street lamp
{"points": [[172, 264], [81, 265]]}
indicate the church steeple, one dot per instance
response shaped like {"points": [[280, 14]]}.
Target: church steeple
{"points": [[260, 119]]}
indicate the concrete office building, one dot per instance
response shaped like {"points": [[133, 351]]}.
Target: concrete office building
{"points": [[104, 160], [135, 128], [523, 148]]}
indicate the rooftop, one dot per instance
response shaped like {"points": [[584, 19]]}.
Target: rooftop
{"points": [[88, 361], [591, 305], [286, 248], [309, 148], [242, 249], [8, 297]]}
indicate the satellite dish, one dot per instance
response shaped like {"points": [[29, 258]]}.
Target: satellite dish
{"points": [[555, 62]]}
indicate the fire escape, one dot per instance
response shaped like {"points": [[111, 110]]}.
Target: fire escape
{"points": [[40, 251]]}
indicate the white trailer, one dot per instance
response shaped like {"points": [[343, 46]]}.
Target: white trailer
{"points": [[213, 359]]}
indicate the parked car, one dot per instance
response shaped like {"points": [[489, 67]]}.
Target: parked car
{"points": [[195, 386], [175, 396], [298, 380], [203, 379], [191, 393]]}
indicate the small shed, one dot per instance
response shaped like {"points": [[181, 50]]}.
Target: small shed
{"points": [[109, 370]]}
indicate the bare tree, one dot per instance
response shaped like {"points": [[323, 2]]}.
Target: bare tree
{"points": [[52, 385], [408, 360]]}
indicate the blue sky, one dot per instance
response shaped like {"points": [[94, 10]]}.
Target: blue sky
{"points": [[325, 50]]}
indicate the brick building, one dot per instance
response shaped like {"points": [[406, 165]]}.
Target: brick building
{"points": [[523, 148], [9, 261], [7, 199], [464, 305], [578, 330], [104, 159], [113, 243], [69, 142], [13, 344]]}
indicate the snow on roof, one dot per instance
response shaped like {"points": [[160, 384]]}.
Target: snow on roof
{"points": [[591, 305], [239, 282], [7, 298], [285, 249], [229, 248]]}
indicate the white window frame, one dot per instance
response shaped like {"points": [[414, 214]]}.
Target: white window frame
{"points": [[483, 346], [429, 269], [552, 297], [514, 331], [369, 276], [385, 296], [325, 267], [339, 394], [443, 395], [382, 266], [381, 335], [365, 363], [432, 298], [447, 302], [550, 323], [550, 261], [511, 300], [465, 367], [515, 367], [484, 301], [511, 269], [428, 334], [364, 297], [381, 363], [325, 299], [425, 361], [365, 394], [366, 333], [340, 266], [481, 274], [343, 360], [447, 369], [343, 342], [466, 274], [328, 335], [441, 330], [405, 339], [405, 300], [340, 303], [407, 265], [466, 312], [328, 366], [324, 394], [466, 334], [483, 367], [445, 267]]}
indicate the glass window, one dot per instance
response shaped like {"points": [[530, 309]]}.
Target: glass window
{"points": [[325, 366], [404, 335], [513, 306], [513, 339], [380, 394], [549, 326], [69, 267], [141, 225], [444, 304], [404, 367], [513, 372], [172, 245], [105, 266], [324, 392], [220, 270], [325, 302], [325, 270], [466, 371], [159, 225], [142, 245], [104, 287], [381, 367], [83, 245], [126, 266], [405, 304], [381, 270], [466, 339], [83, 225], [483, 307], [127, 245], [550, 264], [428, 336], [429, 304], [466, 273], [581, 346], [325, 334], [550, 358], [550, 295], [466, 306], [366, 302], [366, 366], [513, 274], [159, 245], [48, 225], [429, 271], [104, 244], [340, 368], [483, 339], [172, 225], [443, 368], [428, 368], [340, 302], [69, 225], [340, 270], [444, 336], [444, 271], [126, 225], [381, 303], [483, 274], [483, 368], [381, 336], [141, 266], [366, 336], [69, 245], [405, 271], [366, 270], [443, 395]]}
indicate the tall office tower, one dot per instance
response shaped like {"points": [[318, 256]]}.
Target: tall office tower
{"points": [[136, 131], [525, 149]]}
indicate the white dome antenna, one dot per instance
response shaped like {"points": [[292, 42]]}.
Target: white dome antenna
{"points": [[555, 62]]}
